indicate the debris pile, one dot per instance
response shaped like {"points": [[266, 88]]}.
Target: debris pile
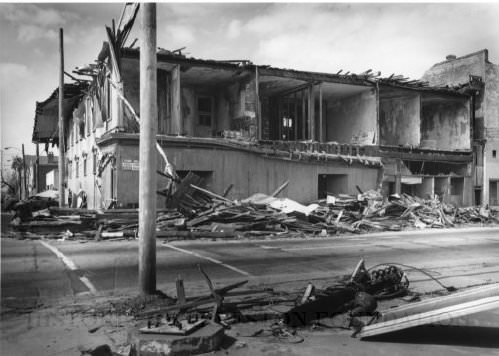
{"points": [[195, 212]]}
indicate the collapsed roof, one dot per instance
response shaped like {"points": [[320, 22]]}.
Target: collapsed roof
{"points": [[46, 127]]}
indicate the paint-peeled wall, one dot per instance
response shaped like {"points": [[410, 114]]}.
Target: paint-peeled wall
{"points": [[445, 125], [252, 173], [249, 173], [399, 121], [352, 119], [491, 108], [127, 169], [491, 100], [242, 108], [82, 156], [457, 71]]}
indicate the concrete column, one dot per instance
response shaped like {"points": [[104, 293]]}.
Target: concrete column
{"points": [[177, 121], [118, 105], [311, 113], [321, 119], [398, 184], [485, 186], [258, 106], [147, 150], [303, 116]]}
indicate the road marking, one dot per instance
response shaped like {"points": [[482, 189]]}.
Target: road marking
{"points": [[89, 284], [235, 269], [326, 247], [265, 247], [71, 265]]}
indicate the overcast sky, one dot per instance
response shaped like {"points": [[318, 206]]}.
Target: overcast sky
{"points": [[393, 38]]}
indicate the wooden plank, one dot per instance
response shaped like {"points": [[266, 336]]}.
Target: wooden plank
{"points": [[430, 317], [280, 189], [216, 196], [227, 190]]}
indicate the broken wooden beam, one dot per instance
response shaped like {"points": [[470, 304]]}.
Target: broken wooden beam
{"points": [[280, 189], [213, 195]]}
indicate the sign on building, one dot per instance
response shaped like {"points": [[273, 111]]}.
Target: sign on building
{"points": [[130, 164]]}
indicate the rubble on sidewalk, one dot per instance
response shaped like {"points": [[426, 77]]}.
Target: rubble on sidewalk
{"points": [[193, 323], [195, 212]]}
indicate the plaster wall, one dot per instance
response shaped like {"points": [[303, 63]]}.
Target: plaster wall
{"points": [[457, 71], [491, 100], [399, 121], [250, 173], [78, 149], [486, 106], [426, 188], [131, 87], [492, 163], [352, 119], [446, 124], [234, 105]]}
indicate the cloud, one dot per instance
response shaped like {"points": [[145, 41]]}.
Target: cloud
{"points": [[35, 22], [34, 14], [234, 29], [176, 35], [402, 38], [12, 72], [27, 33]]}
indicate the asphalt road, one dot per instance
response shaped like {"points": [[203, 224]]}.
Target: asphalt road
{"points": [[52, 269]]}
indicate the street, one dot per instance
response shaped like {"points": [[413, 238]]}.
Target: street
{"points": [[50, 269]]}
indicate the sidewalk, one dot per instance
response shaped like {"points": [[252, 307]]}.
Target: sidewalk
{"points": [[65, 331]]}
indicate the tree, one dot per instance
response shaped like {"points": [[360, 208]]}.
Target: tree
{"points": [[18, 166], [10, 183]]}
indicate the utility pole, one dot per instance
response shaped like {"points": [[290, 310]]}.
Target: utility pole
{"points": [[24, 171], [61, 122], [147, 150]]}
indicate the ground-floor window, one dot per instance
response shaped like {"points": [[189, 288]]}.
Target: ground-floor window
{"points": [[493, 197], [332, 184]]}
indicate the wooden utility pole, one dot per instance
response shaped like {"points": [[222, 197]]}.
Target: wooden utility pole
{"points": [[147, 150], [25, 182], [61, 123]]}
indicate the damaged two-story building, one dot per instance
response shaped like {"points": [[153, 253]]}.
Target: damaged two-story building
{"points": [[475, 72], [255, 126]]}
